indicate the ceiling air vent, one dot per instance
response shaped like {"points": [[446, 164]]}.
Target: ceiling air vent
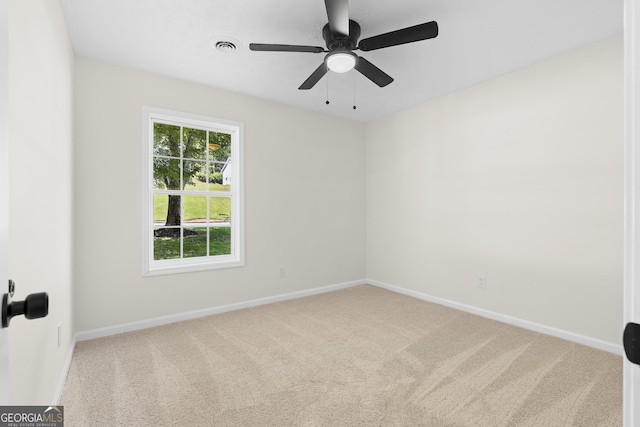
{"points": [[224, 44]]}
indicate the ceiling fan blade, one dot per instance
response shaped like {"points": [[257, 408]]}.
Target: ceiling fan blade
{"points": [[428, 30], [314, 77], [338, 14], [260, 47], [373, 73]]}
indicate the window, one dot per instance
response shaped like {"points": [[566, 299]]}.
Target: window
{"points": [[193, 192]]}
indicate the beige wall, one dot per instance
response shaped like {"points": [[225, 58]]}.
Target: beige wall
{"points": [[518, 179], [305, 199], [41, 200]]}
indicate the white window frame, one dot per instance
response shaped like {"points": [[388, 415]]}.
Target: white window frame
{"points": [[151, 267]]}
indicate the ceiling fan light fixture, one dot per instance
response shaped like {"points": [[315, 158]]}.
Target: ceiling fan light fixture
{"points": [[341, 62]]}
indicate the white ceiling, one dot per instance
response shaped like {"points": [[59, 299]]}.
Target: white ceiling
{"points": [[478, 41]]}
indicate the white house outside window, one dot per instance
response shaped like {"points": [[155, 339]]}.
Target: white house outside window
{"points": [[193, 192]]}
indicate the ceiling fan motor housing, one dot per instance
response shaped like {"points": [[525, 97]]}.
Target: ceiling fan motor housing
{"points": [[339, 41]]}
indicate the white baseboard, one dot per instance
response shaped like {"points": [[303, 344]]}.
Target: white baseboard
{"points": [[158, 321], [65, 372], [569, 336]]}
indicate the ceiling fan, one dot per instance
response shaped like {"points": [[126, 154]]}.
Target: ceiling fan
{"points": [[341, 35]]}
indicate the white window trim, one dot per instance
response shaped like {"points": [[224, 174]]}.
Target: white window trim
{"points": [[151, 267]]}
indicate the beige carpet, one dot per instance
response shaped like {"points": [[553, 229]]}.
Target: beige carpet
{"points": [[362, 356]]}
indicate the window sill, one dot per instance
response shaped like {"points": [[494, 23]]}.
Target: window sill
{"points": [[165, 268]]}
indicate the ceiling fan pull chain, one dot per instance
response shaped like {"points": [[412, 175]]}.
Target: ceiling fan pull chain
{"points": [[354, 92], [327, 91]]}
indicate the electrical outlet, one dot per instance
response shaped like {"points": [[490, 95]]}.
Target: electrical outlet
{"points": [[281, 271], [482, 282], [59, 334]]}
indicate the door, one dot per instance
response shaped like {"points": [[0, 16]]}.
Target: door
{"points": [[4, 195], [631, 390]]}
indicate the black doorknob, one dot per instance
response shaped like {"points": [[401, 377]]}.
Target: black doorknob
{"points": [[34, 306], [631, 342]]}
